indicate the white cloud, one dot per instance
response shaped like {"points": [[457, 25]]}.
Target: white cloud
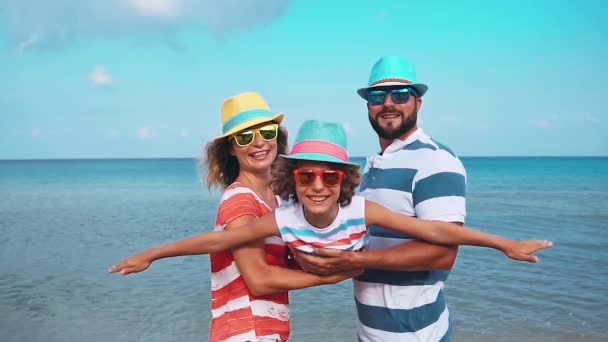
{"points": [[348, 127], [35, 24], [100, 76], [592, 119], [156, 8], [543, 123], [146, 133], [35, 132], [546, 123], [114, 132], [29, 41]]}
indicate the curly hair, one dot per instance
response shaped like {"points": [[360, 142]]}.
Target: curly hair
{"points": [[222, 168], [284, 185]]}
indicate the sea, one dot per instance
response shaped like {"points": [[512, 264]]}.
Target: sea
{"points": [[63, 223]]}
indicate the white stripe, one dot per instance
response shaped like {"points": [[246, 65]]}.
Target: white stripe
{"points": [[447, 209], [396, 297], [266, 308], [224, 277], [395, 200], [231, 305], [250, 337], [242, 190], [247, 336], [376, 242], [274, 240], [431, 333]]}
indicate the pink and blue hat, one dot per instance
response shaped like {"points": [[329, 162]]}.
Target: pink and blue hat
{"points": [[320, 141], [393, 71]]}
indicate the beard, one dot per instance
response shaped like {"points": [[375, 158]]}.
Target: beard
{"points": [[407, 124]]}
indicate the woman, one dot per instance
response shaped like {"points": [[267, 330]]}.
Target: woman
{"points": [[250, 283]]}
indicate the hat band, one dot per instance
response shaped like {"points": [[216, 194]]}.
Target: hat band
{"points": [[400, 80], [243, 117], [320, 147]]}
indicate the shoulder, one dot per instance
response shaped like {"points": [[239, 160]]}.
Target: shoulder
{"points": [[240, 200], [434, 157]]}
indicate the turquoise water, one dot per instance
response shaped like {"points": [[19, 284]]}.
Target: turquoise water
{"points": [[63, 223]]}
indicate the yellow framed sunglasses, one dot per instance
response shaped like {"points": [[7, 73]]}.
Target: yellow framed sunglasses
{"points": [[267, 133]]}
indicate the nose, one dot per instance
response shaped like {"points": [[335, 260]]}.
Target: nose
{"points": [[388, 101], [257, 139], [318, 185]]}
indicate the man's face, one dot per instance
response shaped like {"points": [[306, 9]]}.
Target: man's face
{"points": [[393, 120]]}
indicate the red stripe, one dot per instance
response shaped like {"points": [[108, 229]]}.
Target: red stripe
{"points": [[343, 242], [321, 147], [240, 322]]}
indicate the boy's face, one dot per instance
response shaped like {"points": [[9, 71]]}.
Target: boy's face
{"points": [[318, 192]]}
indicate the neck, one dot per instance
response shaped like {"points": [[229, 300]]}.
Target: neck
{"points": [[322, 220], [259, 183], [384, 143]]}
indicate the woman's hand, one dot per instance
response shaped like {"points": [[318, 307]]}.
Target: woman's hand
{"points": [[135, 264], [525, 250]]}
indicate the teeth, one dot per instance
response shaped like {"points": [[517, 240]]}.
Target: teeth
{"points": [[318, 198], [258, 154]]}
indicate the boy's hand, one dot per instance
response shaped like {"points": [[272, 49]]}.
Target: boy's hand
{"points": [[134, 264], [524, 250]]}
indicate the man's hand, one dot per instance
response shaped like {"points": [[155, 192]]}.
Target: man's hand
{"points": [[328, 261]]}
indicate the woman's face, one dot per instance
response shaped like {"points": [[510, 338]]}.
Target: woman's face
{"points": [[260, 150]]}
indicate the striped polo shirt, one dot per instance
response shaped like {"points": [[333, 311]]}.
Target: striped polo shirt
{"points": [[346, 232], [236, 314], [416, 177]]}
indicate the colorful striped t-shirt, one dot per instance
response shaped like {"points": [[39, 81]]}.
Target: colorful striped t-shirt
{"points": [[237, 315], [347, 232]]}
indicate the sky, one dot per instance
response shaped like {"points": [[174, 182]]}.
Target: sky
{"points": [[147, 78]]}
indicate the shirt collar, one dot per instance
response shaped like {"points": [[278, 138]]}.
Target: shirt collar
{"points": [[398, 144]]}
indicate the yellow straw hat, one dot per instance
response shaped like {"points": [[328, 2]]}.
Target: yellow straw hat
{"points": [[245, 110]]}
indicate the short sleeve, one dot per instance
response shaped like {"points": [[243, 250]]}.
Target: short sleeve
{"points": [[439, 192], [236, 206]]}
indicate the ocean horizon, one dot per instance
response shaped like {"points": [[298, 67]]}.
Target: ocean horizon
{"points": [[65, 221]]}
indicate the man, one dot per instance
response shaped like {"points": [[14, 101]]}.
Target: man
{"points": [[400, 298]]}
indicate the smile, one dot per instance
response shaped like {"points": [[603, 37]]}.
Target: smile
{"points": [[259, 154]]}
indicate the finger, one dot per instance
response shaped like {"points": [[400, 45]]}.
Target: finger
{"points": [[129, 270], [117, 268], [327, 252]]}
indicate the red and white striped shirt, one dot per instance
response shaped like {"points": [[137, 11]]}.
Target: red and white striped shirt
{"points": [[237, 315]]}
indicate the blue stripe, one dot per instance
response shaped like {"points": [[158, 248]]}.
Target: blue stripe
{"points": [[443, 147], [400, 320], [439, 185], [400, 278], [246, 116], [395, 179], [385, 233], [305, 232], [418, 145]]}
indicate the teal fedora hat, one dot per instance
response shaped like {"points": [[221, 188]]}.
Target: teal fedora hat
{"points": [[393, 71], [320, 141]]}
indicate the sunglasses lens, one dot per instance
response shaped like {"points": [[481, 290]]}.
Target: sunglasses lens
{"points": [[400, 95], [269, 132], [376, 97], [305, 177], [244, 138], [331, 178]]}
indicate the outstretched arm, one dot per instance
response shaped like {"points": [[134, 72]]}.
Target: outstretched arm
{"points": [[450, 234], [200, 244]]}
